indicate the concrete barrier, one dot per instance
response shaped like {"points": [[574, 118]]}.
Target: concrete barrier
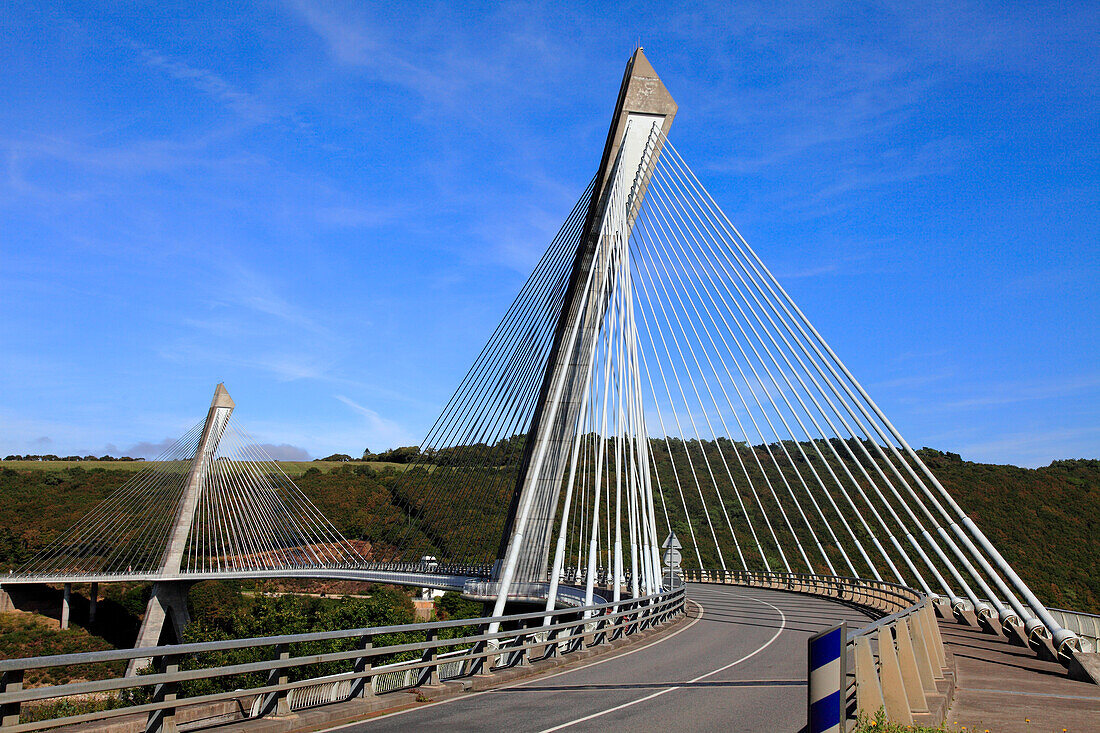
{"points": [[899, 665]]}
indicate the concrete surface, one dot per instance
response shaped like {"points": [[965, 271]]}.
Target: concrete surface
{"points": [[1006, 688]]}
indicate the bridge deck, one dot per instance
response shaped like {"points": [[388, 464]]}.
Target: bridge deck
{"points": [[1001, 687], [740, 667]]}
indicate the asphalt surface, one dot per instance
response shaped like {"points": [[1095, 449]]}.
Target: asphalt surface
{"points": [[740, 666]]}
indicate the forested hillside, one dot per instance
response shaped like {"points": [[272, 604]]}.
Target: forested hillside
{"points": [[1043, 520]]}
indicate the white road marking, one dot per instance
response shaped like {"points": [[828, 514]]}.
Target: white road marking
{"points": [[782, 625], [539, 678]]}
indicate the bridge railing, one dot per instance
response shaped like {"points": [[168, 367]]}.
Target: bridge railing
{"points": [[1085, 625], [875, 596], [188, 675]]}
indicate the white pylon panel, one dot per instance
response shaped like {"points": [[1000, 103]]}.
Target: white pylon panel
{"points": [[595, 467]]}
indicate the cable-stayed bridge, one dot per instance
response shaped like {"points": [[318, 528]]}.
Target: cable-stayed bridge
{"points": [[651, 385]]}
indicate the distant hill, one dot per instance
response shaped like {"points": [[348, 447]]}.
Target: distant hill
{"points": [[1045, 521]]}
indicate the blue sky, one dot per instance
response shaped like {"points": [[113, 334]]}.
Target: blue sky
{"points": [[328, 206]]}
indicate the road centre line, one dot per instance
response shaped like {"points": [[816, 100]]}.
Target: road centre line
{"points": [[782, 626]]}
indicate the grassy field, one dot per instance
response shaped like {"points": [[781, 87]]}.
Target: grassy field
{"points": [[292, 468]]}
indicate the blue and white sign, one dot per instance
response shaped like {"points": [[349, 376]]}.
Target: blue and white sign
{"points": [[827, 681]]}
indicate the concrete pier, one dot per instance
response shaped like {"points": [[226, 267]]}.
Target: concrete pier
{"points": [[66, 605]]}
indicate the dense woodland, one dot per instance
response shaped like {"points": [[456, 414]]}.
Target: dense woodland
{"points": [[1043, 520]]}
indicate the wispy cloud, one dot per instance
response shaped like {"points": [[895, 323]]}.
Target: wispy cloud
{"points": [[1013, 392], [204, 80], [362, 216], [352, 40], [913, 380], [285, 452], [379, 430], [245, 287]]}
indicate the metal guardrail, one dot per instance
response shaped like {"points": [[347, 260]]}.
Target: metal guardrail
{"points": [[382, 680], [876, 596], [521, 637], [450, 576], [1085, 625]]}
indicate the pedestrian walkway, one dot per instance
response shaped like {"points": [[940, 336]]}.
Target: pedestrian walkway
{"points": [[1004, 688]]}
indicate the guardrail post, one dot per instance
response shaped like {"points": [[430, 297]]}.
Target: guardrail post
{"points": [[618, 628], [827, 680], [10, 682], [280, 699], [600, 634], [66, 604], [431, 656], [910, 673], [868, 689], [363, 686], [894, 699], [164, 720], [630, 619], [483, 665], [576, 641]]}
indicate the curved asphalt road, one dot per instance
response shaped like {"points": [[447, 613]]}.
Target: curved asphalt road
{"points": [[740, 666]]}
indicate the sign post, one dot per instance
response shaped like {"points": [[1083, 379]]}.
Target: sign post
{"points": [[671, 558]]}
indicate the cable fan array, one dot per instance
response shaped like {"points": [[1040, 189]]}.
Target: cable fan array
{"points": [[706, 392], [589, 472], [772, 456], [249, 516], [455, 496]]}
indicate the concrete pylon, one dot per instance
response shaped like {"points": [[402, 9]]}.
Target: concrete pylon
{"points": [[66, 605], [169, 599], [643, 104]]}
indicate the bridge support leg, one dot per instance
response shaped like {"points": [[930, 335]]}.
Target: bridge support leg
{"points": [[168, 603], [5, 601], [93, 602], [164, 720], [1085, 666], [66, 602]]}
